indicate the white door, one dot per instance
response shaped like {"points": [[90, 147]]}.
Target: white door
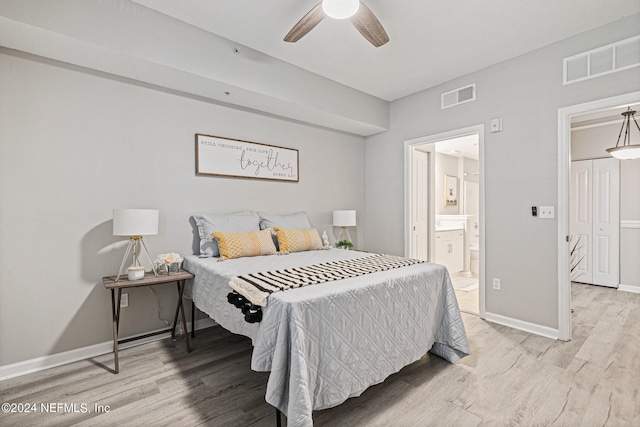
{"points": [[606, 222], [581, 208], [420, 205], [472, 208], [595, 221]]}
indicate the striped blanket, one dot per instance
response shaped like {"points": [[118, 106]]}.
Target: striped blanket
{"points": [[253, 290]]}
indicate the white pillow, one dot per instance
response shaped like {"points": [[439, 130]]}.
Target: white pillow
{"points": [[208, 223], [295, 221]]}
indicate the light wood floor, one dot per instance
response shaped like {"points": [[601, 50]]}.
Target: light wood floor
{"points": [[467, 294], [511, 379]]}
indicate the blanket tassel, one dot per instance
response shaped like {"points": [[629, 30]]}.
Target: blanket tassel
{"points": [[252, 313]]}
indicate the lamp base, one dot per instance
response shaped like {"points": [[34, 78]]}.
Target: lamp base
{"points": [[133, 244], [342, 230]]}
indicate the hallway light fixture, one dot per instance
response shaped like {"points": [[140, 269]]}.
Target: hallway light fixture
{"points": [[627, 150]]}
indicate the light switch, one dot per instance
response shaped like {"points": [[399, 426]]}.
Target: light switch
{"points": [[546, 212]]}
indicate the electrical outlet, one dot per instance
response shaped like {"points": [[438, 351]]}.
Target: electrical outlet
{"points": [[124, 300], [496, 284]]}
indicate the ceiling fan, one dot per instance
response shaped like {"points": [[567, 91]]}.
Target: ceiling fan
{"points": [[361, 17]]}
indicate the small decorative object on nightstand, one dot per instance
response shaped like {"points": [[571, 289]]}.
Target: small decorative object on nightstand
{"points": [[113, 283], [135, 273], [170, 262]]}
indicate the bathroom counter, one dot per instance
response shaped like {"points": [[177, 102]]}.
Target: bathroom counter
{"points": [[451, 228]]}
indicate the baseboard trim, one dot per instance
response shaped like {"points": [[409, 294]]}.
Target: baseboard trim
{"points": [[50, 361], [629, 288], [533, 328]]}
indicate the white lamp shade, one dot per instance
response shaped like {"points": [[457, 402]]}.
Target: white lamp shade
{"points": [[340, 9], [135, 222], [344, 218]]}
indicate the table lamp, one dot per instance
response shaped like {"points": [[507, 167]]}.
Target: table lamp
{"points": [[344, 219], [135, 223]]}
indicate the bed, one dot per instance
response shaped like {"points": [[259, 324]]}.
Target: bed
{"points": [[325, 343]]}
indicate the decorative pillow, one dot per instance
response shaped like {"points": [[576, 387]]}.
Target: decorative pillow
{"points": [[295, 221], [298, 240], [208, 223], [245, 244]]}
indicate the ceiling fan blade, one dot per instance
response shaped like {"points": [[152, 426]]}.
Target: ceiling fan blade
{"points": [[366, 22], [306, 24]]}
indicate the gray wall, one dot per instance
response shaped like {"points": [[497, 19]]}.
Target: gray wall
{"points": [[520, 164], [591, 144], [471, 168], [74, 145]]}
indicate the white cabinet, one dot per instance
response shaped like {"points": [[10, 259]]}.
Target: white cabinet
{"points": [[450, 250]]}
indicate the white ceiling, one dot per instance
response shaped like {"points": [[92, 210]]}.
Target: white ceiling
{"points": [[464, 146], [431, 42]]}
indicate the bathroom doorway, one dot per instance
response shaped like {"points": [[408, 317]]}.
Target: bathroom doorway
{"points": [[444, 197]]}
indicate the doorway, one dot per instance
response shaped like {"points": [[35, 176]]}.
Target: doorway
{"points": [[565, 116], [444, 208]]}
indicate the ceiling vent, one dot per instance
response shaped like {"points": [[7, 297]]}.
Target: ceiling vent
{"points": [[458, 96], [603, 60]]}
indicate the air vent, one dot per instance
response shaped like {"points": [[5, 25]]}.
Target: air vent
{"points": [[458, 96], [603, 60]]}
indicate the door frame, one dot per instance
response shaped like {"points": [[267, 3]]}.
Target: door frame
{"points": [[564, 179], [409, 146]]}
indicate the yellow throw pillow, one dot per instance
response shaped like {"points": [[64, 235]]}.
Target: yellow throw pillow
{"points": [[298, 240], [245, 243]]}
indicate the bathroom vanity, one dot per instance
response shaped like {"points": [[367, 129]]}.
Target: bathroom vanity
{"points": [[450, 249]]}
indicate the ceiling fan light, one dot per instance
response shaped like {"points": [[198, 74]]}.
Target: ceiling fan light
{"points": [[340, 9]]}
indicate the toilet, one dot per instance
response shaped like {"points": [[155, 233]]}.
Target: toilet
{"points": [[474, 255]]}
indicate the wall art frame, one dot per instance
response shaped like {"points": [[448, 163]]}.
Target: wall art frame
{"points": [[450, 190], [235, 158]]}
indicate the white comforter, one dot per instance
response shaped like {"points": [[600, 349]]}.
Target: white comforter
{"points": [[325, 343]]}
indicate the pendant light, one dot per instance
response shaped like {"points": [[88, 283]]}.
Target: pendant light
{"points": [[340, 9], [627, 150]]}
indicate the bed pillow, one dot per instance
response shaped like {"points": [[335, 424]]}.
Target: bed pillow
{"points": [[208, 223], [298, 240], [294, 221], [245, 243]]}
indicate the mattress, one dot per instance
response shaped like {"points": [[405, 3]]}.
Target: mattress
{"points": [[323, 344]]}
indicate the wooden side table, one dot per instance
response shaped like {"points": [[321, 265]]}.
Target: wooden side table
{"points": [[179, 277]]}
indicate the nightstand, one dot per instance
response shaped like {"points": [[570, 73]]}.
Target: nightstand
{"points": [[149, 279]]}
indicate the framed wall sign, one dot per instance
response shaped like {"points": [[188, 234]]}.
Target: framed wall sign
{"points": [[450, 190], [218, 156]]}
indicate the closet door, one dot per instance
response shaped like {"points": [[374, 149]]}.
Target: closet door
{"points": [[581, 208], [595, 220], [606, 222]]}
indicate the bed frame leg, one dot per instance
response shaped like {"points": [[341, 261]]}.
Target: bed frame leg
{"points": [[193, 319], [278, 418]]}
